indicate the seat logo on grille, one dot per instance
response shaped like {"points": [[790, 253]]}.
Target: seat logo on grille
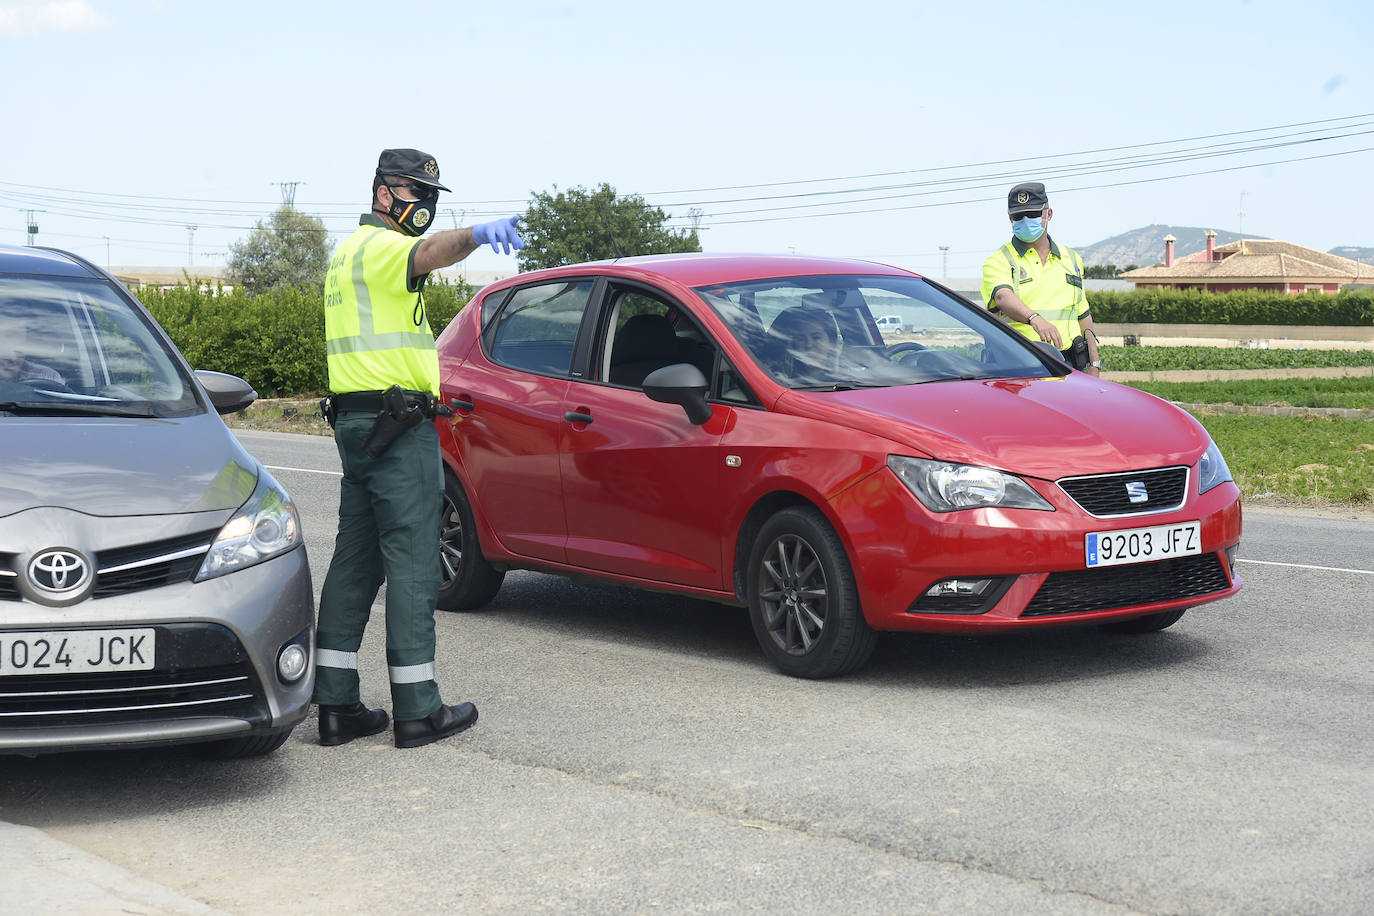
{"points": [[1135, 491], [59, 571]]}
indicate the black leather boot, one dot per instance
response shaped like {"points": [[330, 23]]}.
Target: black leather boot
{"points": [[447, 720], [341, 724]]}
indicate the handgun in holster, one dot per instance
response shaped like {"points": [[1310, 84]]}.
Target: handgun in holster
{"points": [[1077, 353], [394, 419], [329, 410]]}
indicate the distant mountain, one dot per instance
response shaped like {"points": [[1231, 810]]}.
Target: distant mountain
{"points": [[1145, 246], [1364, 255]]}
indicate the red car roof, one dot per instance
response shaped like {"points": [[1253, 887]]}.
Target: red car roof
{"points": [[701, 269]]}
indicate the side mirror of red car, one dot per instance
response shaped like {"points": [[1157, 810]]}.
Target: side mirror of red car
{"points": [[680, 383]]}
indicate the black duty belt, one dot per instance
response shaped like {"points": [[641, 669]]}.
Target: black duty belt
{"points": [[371, 401]]}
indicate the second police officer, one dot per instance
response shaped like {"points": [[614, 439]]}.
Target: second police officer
{"points": [[1037, 284]]}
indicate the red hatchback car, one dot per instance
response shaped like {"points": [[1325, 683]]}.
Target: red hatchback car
{"points": [[736, 428]]}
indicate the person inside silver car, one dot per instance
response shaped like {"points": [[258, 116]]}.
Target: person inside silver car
{"points": [[15, 365]]}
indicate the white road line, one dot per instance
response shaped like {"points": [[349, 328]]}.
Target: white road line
{"points": [[1359, 572], [277, 467]]}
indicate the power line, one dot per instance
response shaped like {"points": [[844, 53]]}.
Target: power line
{"points": [[1094, 187], [228, 215]]}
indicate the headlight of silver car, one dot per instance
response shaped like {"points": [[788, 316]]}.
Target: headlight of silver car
{"points": [[265, 526], [945, 487], [1211, 469]]}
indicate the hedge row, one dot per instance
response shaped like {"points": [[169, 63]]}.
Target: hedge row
{"points": [[1345, 309], [274, 340]]}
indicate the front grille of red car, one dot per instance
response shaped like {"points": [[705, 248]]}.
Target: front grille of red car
{"points": [[1107, 495], [1084, 590]]}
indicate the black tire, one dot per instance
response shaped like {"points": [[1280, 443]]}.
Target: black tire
{"points": [[1150, 623], [803, 602], [467, 581], [247, 746]]}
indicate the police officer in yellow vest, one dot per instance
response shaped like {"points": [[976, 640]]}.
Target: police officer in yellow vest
{"points": [[1037, 285], [384, 375]]}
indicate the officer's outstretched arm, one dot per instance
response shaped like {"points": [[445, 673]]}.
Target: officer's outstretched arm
{"points": [[442, 249], [451, 246]]}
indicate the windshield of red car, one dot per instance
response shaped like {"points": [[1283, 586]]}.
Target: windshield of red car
{"points": [[821, 332]]}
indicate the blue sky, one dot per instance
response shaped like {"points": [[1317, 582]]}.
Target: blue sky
{"points": [[135, 119]]}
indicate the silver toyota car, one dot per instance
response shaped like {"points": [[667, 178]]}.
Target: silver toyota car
{"points": [[154, 587]]}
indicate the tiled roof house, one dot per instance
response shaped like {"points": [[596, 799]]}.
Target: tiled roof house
{"points": [[1263, 264]]}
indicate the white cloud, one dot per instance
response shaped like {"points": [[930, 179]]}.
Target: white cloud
{"points": [[35, 17]]}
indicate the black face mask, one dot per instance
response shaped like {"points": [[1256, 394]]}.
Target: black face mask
{"points": [[413, 216]]}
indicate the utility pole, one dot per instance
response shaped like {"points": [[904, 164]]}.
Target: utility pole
{"points": [[1240, 214], [107, 252], [288, 191], [695, 214], [32, 223], [944, 263], [190, 243]]}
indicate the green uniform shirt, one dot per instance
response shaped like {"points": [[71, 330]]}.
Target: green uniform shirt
{"points": [[1054, 289], [375, 329]]}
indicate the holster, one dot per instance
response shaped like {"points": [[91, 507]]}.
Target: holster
{"points": [[1077, 353], [329, 410], [394, 419]]}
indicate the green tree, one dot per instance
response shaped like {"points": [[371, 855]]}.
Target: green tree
{"points": [[292, 250], [565, 227]]}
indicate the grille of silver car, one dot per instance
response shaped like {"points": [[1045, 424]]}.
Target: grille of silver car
{"points": [[1107, 495], [129, 569], [132, 569], [1083, 590], [201, 670]]}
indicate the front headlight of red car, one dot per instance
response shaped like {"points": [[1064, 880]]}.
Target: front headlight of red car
{"points": [[945, 487], [1211, 469]]}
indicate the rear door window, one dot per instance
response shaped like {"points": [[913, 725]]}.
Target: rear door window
{"points": [[536, 330]]}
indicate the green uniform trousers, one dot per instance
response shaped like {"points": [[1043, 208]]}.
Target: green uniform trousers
{"points": [[389, 516]]}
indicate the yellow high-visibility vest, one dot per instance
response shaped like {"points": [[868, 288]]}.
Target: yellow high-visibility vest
{"points": [[1054, 289], [375, 328]]}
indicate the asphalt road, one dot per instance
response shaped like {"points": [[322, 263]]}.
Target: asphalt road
{"points": [[636, 753]]}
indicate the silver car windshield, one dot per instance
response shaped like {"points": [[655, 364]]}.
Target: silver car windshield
{"points": [[74, 345], [825, 333]]}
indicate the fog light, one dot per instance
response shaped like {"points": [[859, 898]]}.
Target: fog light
{"points": [[292, 662], [962, 596], [953, 588]]}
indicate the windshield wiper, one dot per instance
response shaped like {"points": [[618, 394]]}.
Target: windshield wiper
{"points": [[843, 386], [65, 408], [961, 377]]}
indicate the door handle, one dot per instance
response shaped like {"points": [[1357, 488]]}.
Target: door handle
{"points": [[576, 416], [461, 404]]}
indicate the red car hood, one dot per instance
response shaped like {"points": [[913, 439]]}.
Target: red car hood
{"points": [[1045, 428]]}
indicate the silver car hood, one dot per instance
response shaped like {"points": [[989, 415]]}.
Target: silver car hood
{"points": [[111, 466]]}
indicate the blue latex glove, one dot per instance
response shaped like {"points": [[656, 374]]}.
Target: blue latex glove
{"points": [[499, 232]]}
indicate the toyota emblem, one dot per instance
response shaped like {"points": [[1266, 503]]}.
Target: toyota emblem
{"points": [[59, 571]]}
